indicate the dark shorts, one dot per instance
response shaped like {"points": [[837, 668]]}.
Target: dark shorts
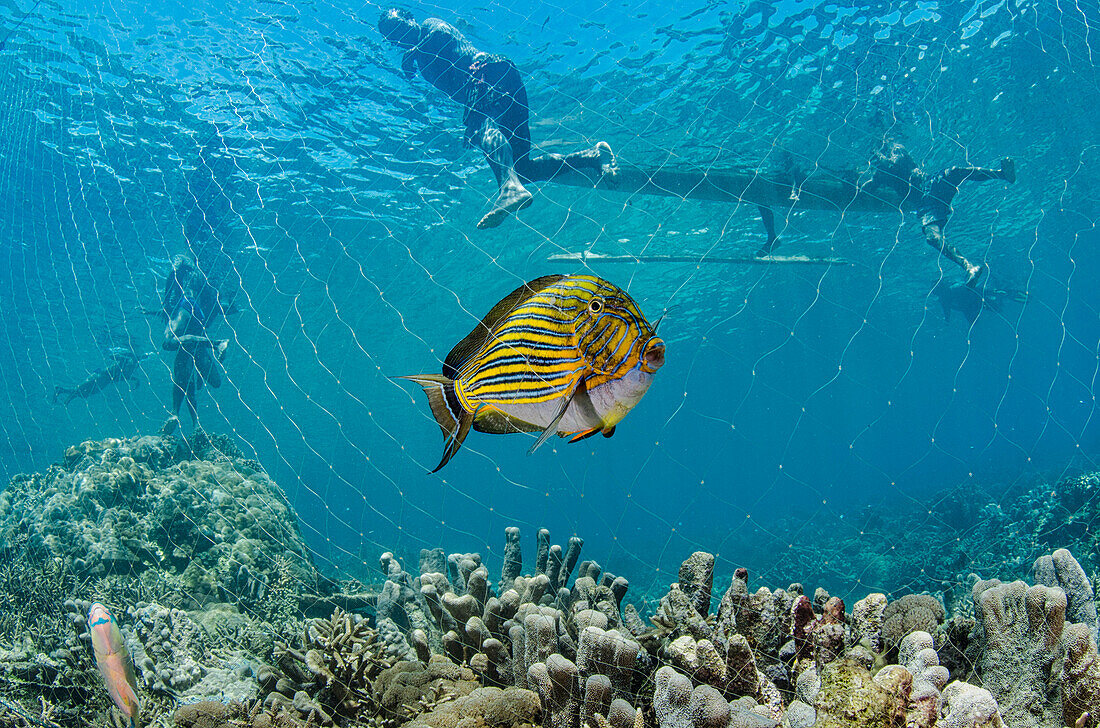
{"points": [[497, 94], [935, 204]]}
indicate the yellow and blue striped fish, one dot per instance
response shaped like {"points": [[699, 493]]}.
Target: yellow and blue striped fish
{"points": [[564, 354]]}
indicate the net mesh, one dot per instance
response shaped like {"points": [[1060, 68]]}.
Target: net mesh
{"points": [[845, 421]]}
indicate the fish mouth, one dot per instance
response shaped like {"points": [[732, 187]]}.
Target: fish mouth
{"points": [[653, 358]]}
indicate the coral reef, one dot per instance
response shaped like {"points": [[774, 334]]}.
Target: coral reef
{"points": [[124, 506], [551, 643], [330, 672], [484, 708], [163, 533], [1020, 663]]}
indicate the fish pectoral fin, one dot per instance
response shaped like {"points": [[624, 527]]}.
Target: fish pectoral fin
{"points": [[609, 431], [553, 426]]}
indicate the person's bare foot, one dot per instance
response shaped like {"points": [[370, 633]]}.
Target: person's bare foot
{"points": [[609, 165], [1008, 169], [512, 198], [974, 274]]}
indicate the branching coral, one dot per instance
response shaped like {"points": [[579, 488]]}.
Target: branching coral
{"points": [[333, 667]]}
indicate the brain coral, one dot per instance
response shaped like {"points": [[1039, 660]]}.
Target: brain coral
{"points": [[911, 613]]}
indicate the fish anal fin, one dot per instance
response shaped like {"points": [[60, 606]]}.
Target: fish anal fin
{"points": [[493, 421], [578, 390], [473, 341]]}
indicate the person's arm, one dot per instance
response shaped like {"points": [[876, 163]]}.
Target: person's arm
{"points": [[408, 64]]}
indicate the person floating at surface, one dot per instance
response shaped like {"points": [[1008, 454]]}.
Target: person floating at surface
{"points": [[124, 366], [192, 306], [896, 170], [970, 301], [496, 114]]}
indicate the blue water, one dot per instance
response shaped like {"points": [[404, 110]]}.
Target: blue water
{"points": [[281, 140]]}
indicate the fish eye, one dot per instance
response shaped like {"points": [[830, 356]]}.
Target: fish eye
{"points": [[595, 305]]}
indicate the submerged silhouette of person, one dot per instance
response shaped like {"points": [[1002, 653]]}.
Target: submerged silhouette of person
{"points": [[192, 305], [496, 115], [971, 301], [895, 170], [123, 367]]}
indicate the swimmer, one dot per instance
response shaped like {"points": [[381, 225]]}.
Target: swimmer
{"points": [[495, 115], [124, 366], [896, 170], [192, 306], [971, 301], [790, 175]]}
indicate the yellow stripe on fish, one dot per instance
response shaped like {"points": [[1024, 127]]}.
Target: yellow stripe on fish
{"points": [[564, 354]]}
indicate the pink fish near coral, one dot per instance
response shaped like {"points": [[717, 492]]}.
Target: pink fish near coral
{"points": [[114, 662]]}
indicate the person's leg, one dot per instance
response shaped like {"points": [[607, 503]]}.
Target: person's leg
{"points": [[512, 196], [957, 175], [181, 369], [191, 408], [933, 234], [513, 116], [206, 364], [599, 160], [768, 218], [489, 101]]}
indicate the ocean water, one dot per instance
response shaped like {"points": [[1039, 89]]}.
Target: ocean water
{"points": [[280, 144]]}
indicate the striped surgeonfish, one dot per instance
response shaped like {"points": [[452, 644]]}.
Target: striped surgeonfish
{"points": [[564, 354], [114, 662]]}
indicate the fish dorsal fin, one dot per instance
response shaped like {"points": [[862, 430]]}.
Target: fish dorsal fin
{"points": [[469, 346]]}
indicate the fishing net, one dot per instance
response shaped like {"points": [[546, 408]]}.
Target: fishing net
{"points": [[842, 415]]}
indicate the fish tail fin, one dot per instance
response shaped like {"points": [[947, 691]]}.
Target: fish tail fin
{"points": [[453, 420]]}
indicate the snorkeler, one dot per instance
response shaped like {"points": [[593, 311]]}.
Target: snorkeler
{"points": [[496, 114], [896, 170], [192, 306], [971, 301], [123, 368]]}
